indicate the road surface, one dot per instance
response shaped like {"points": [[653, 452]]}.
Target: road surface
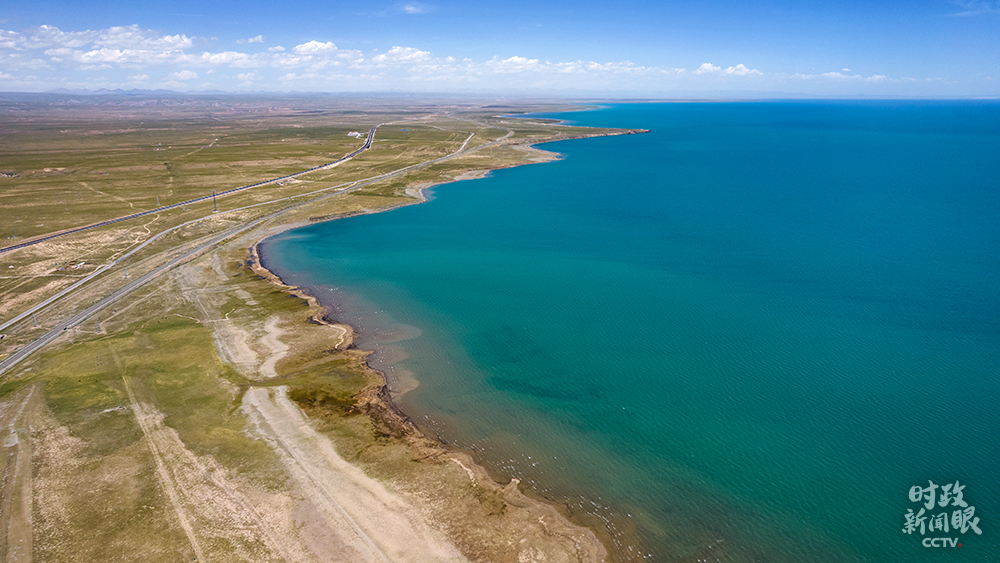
{"points": [[43, 238], [21, 353]]}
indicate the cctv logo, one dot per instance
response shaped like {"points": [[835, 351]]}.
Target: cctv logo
{"points": [[945, 542]]}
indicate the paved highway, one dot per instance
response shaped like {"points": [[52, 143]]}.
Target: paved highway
{"points": [[367, 145], [59, 329], [26, 350]]}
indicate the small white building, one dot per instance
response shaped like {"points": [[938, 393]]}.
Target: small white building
{"points": [[354, 134]]}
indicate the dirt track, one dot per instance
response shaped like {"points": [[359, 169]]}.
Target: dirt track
{"points": [[15, 470], [366, 521]]}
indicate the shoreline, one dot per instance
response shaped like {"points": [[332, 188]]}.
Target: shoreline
{"points": [[375, 402], [375, 398]]}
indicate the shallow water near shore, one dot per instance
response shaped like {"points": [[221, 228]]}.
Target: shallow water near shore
{"points": [[741, 337]]}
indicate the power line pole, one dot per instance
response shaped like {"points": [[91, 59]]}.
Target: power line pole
{"points": [[215, 208], [157, 201], [34, 321]]}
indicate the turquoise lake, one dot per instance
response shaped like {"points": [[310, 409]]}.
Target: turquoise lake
{"points": [[743, 336]]}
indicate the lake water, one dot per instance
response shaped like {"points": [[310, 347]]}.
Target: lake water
{"points": [[743, 336]]}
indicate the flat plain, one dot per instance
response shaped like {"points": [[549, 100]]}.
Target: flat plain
{"points": [[190, 405]]}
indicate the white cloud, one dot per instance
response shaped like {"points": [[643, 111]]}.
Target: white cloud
{"points": [[706, 68], [137, 48], [523, 72], [184, 75], [738, 70], [314, 48], [10, 39], [45, 36], [102, 55], [51, 36], [229, 58], [120, 45], [512, 64], [133, 37], [131, 51], [845, 77], [258, 39], [398, 55], [124, 57], [12, 61]]}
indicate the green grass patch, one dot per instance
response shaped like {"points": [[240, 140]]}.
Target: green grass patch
{"points": [[173, 364]]}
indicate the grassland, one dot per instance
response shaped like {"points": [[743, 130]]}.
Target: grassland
{"points": [[132, 435]]}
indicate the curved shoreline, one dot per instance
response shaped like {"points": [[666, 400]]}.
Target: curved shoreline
{"points": [[375, 399]]}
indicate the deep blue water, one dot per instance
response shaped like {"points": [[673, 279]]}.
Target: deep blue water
{"points": [[742, 336]]}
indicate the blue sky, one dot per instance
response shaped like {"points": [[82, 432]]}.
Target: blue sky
{"points": [[631, 48]]}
